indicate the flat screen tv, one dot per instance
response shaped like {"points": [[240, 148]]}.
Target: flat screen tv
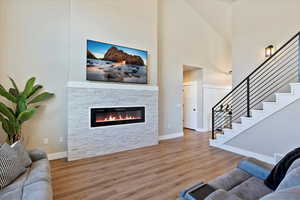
{"points": [[114, 63]]}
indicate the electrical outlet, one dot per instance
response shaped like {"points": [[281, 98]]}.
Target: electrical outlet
{"points": [[61, 139], [46, 140]]}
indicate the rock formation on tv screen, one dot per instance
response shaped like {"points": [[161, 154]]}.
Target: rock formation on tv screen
{"points": [[115, 55], [90, 55]]}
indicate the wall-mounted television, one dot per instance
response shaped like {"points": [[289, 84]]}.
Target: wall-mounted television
{"points": [[114, 63]]}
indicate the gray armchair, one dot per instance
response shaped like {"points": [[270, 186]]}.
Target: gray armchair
{"points": [[246, 182]]}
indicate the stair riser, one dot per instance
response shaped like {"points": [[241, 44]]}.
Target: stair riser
{"points": [[285, 99], [282, 100]]}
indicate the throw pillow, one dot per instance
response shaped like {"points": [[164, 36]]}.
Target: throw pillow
{"points": [[292, 179], [10, 165], [22, 153]]}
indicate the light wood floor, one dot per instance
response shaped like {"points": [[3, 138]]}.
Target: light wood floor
{"points": [[151, 173]]}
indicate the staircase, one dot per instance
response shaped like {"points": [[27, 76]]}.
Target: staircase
{"points": [[269, 88]]}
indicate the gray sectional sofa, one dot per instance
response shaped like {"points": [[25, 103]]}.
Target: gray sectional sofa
{"points": [[246, 182], [34, 184]]}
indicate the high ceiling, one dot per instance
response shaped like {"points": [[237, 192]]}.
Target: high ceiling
{"points": [[217, 13]]}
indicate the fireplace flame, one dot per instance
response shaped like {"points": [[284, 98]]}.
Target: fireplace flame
{"points": [[116, 118]]}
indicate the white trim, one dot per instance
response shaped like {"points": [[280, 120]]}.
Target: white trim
{"points": [[55, 156], [171, 136], [216, 87], [202, 130], [77, 84], [261, 157]]}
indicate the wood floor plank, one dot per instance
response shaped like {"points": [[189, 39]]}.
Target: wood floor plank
{"points": [[152, 173]]}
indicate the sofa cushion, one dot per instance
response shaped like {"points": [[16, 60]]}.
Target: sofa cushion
{"points": [[251, 189], [38, 190], [230, 179], [22, 153], [36, 154], [292, 193], [290, 180], [222, 195], [12, 195], [16, 184], [10, 165], [39, 171]]}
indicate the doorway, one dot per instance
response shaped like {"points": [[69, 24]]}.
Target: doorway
{"points": [[190, 105], [192, 98]]}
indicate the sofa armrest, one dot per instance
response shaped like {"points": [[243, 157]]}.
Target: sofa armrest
{"points": [[255, 167], [36, 154], [222, 195]]}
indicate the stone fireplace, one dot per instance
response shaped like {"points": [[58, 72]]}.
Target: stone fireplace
{"points": [[107, 118]]}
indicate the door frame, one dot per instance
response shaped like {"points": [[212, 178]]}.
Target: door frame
{"points": [[194, 84]]}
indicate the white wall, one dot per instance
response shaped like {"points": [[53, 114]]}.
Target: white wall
{"points": [[186, 39], [211, 96], [47, 38], [131, 23], [257, 24], [277, 134], [218, 13], [34, 40]]}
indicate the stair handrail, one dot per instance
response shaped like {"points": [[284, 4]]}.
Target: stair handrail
{"points": [[247, 79]]}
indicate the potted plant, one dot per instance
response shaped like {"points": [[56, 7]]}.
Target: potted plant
{"points": [[21, 106]]}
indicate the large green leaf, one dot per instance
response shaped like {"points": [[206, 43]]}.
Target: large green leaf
{"points": [[26, 115], [42, 97], [2, 118], [13, 92], [8, 127], [14, 84], [7, 95], [35, 89], [21, 105], [7, 112], [29, 87]]}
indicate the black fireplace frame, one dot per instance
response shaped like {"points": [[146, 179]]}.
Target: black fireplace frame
{"points": [[93, 112]]}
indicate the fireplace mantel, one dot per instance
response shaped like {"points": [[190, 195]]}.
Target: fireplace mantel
{"points": [[78, 84]]}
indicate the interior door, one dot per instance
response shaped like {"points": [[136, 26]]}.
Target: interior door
{"points": [[190, 106]]}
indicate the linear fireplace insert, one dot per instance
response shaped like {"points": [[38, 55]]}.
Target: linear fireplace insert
{"points": [[116, 116]]}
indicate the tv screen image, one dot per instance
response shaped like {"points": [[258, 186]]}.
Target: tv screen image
{"points": [[113, 63]]}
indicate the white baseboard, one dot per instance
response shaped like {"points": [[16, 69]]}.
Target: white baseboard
{"points": [[202, 130], [261, 157], [171, 136], [55, 156]]}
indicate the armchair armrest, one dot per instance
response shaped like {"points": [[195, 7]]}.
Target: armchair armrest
{"points": [[36, 154], [183, 193], [255, 167]]}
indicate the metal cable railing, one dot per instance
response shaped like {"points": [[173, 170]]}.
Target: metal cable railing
{"points": [[272, 75]]}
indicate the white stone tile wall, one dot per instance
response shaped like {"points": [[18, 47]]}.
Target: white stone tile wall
{"points": [[84, 141]]}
